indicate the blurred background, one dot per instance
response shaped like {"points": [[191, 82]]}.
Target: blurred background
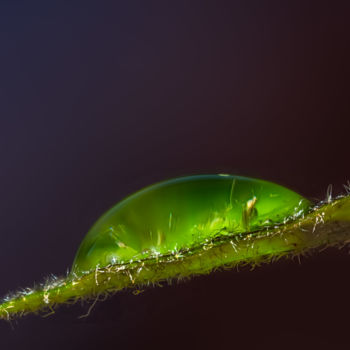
{"points": [[101, 98]]}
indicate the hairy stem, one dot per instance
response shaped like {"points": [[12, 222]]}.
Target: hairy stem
{"points": [[326, 225]]}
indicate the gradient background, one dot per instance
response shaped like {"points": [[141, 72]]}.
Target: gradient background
{"points": [[100, 98]]}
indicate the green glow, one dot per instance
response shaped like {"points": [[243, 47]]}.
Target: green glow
{"points": [[189, 226], [182, 213]]}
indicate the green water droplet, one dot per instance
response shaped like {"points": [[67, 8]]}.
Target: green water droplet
{"points": [[181, 213]]}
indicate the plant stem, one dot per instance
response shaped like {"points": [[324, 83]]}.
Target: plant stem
{"points": [[326, 225]]}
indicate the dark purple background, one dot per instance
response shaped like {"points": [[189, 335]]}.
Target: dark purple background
{"points": [[100, 98]]}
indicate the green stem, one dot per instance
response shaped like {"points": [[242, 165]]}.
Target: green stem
{"points": [[325, 226]]}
